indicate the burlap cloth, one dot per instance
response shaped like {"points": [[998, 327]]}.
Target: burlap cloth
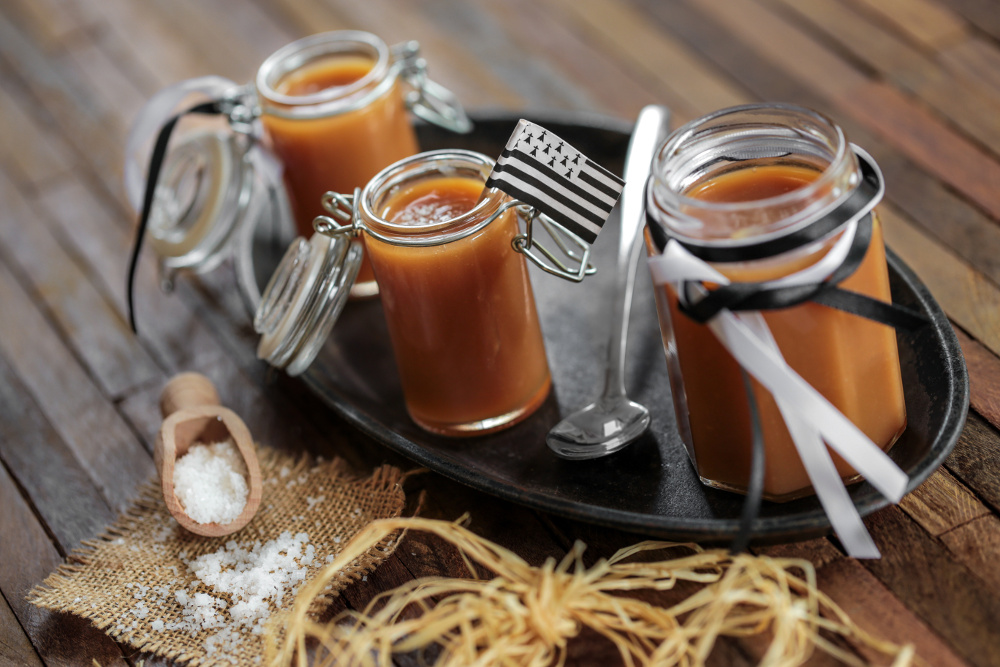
{"points": [[140, 558]]}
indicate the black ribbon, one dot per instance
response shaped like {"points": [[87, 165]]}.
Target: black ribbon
{"points": [[759, 296], [152, 178], [755, 487]]}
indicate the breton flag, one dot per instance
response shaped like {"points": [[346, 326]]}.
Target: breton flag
{"points": [[542, 170]]}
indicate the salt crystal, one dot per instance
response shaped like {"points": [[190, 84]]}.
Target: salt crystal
{"points": [[157, 625], [210, 481], [314, 501]]}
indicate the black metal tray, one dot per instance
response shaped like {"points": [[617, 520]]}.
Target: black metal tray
{"points": [[649, 487]]}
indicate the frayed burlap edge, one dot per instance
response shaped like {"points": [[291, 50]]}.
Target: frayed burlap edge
{"points": [[91, 582]]}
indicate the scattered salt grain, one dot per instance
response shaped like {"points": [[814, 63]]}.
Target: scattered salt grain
{"points": [[157, 625], [254, 577], [210, 481], [314, 501]]}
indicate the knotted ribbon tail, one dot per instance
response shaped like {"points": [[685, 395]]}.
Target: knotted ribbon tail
{"points": [[810, 417], [152, 179], [755, 489], [820, 469], [891, 314]]}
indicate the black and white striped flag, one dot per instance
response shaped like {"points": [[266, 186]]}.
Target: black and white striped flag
{"points": [[542, 170]]}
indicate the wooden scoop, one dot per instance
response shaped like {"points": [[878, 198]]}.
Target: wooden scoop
{"points": [[192, 414]]}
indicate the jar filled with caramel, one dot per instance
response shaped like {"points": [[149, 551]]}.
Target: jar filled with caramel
{"points": [[326, 112], [456, 295], [759, 193], [335, 111]]}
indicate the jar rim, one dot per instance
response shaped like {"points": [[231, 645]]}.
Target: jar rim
{"points": [[687, 131], [744, 133], [336, 99], [419, 166]]}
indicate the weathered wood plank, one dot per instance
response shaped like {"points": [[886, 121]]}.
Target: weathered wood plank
{"points": [[104, 80], [942, 503], [47, 22], [62, 493], [774, 38], [984, 378], [976, 544], [926, 22], [177, 329], [72, 403], [84, 316], [878, 106], [530, 77], [529, 26], [969, 106], [26, 558], [304, 17], [656, 56], [918, 193], [965, 295], [976, 460], [61, 101], [980, 13], [944, 594], [976, 59], [819, 551], [15, 647], [29, 160], [448, 63], [875, 609], [221, 47]]}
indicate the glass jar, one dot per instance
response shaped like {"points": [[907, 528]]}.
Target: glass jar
{"points": [[327, 111], [335, 114], [454, 288], [740, 188]]}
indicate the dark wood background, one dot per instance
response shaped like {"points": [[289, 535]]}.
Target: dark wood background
{"points": [[916, 82]]}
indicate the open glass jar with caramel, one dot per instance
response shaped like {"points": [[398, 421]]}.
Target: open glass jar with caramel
{"points": [[763, 195], [325, 112], [456, 295], [335, 112]]}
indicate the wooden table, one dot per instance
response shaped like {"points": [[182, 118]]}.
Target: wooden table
{"points": [[916, 82]]}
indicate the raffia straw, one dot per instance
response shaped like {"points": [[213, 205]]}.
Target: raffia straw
{"points": [[527, 615]]}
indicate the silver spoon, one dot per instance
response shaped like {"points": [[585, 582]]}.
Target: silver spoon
{"points": [[613, 421]]}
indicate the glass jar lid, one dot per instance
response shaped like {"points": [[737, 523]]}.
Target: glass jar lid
{"points": [[304, 298], [215, 177]]}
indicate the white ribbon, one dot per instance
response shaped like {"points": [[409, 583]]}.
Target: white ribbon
{"points": [[811, 419]]}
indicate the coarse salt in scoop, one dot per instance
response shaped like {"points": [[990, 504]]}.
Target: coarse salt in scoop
{"points": [[210, 481]]}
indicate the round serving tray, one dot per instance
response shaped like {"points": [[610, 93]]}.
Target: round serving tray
{"points": [[649, 487]]}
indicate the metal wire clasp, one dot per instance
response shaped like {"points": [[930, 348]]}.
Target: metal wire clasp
{"points": [[429, 101], [342, 207], [240, 107], [344, 219], [571, 245]]}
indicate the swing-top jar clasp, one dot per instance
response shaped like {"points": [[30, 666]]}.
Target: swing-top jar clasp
{"points": [[428, 100], [344, 220]]}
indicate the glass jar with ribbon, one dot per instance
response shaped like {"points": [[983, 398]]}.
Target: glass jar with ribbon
{"points": [[774, 305], [449, 254], [325, 112]]}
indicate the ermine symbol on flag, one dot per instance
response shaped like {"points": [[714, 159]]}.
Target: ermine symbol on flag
{"points": [[542, 170]]}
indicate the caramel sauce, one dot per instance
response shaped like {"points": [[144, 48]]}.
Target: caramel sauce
{"points": [[852, 361], [461, 315], [338, 152]]}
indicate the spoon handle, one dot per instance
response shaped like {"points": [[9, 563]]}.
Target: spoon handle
{"points": [[650, 130], [187, 390]]}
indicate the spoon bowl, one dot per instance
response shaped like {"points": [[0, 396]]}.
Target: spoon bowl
{"points": [[604, 426]]}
